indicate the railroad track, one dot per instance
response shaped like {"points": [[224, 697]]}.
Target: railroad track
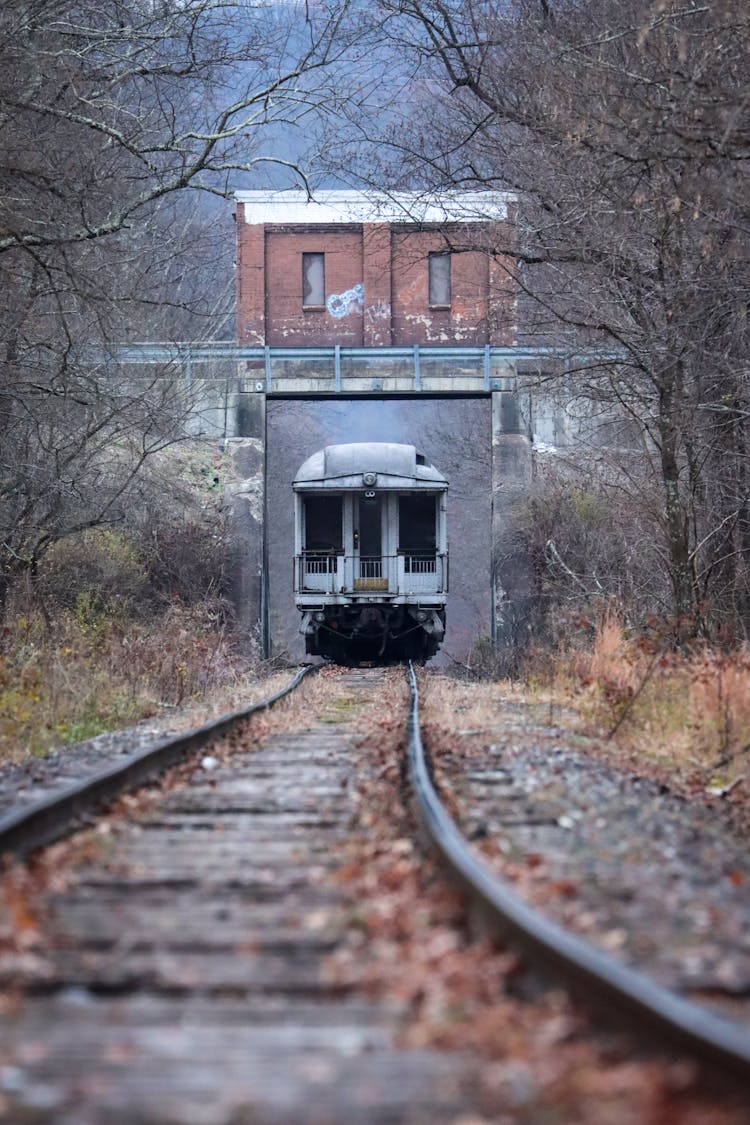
{"points": [[175, 969], [622, 992], [24, 830], [181, 976]]}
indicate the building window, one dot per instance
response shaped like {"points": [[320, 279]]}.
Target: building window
{"points": [[313, 281], [439, 270]]}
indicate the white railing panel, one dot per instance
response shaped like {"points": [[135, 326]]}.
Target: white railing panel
{"points": [[392, 574]]}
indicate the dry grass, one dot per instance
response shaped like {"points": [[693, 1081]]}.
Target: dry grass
{"points": [[93, 675], [690, 709], [683, 717]]}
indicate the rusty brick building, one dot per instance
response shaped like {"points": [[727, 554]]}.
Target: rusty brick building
{"points": [[374, 270]]}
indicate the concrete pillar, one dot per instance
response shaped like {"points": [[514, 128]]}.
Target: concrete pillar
{"points": [[245, 499], [511, 473]]}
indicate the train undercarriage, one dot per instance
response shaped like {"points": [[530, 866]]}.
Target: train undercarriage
{"points": [[373, 632]]}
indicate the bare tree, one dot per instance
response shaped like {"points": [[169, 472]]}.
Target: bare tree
{"points": [[110, 106], [110, 113], [624, 126]]}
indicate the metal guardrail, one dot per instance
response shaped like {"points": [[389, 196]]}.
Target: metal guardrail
{"points": [[206, 351], [26, 829], [602, 980], [269, 369]]}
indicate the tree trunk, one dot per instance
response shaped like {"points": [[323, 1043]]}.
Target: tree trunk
{"points": [[4, 590], [677, 521]]}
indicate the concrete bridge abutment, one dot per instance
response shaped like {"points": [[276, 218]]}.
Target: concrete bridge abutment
{"points": [[245, 497], [256, 514]]}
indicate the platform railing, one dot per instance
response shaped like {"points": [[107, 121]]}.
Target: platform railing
{"points": [[331, 572]]}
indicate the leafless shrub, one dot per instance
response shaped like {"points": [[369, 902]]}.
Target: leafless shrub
{"points": [[168, 547], [589, 542]]}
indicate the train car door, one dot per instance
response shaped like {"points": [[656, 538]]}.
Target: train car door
{"points": [[368, 542]]}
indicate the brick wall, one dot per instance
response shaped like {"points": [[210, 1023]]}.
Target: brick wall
{"points": [[377, 280], [287, 323], [251, 281], [376, 285]]}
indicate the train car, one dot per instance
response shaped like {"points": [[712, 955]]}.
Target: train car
{"points": [[371, 553]]}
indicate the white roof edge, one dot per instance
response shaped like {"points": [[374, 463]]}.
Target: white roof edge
{"points": [[336, 464], [374, 207]]}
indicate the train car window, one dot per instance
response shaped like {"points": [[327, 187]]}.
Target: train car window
{"points": [[439, 273], [417, 524], [323, 523], [313, 281]]}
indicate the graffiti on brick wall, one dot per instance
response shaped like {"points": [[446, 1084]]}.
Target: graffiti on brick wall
{"points": [[339, 304], [381, 310]]}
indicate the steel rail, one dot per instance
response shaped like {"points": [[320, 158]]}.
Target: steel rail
{"points": [[607, 983], [25, 830]]}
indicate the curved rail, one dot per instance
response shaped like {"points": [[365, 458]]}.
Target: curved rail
{"points": [[609, 984], [25, 830]]}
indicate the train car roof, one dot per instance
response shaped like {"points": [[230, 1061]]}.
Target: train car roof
{"points": [[343, 466]]}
